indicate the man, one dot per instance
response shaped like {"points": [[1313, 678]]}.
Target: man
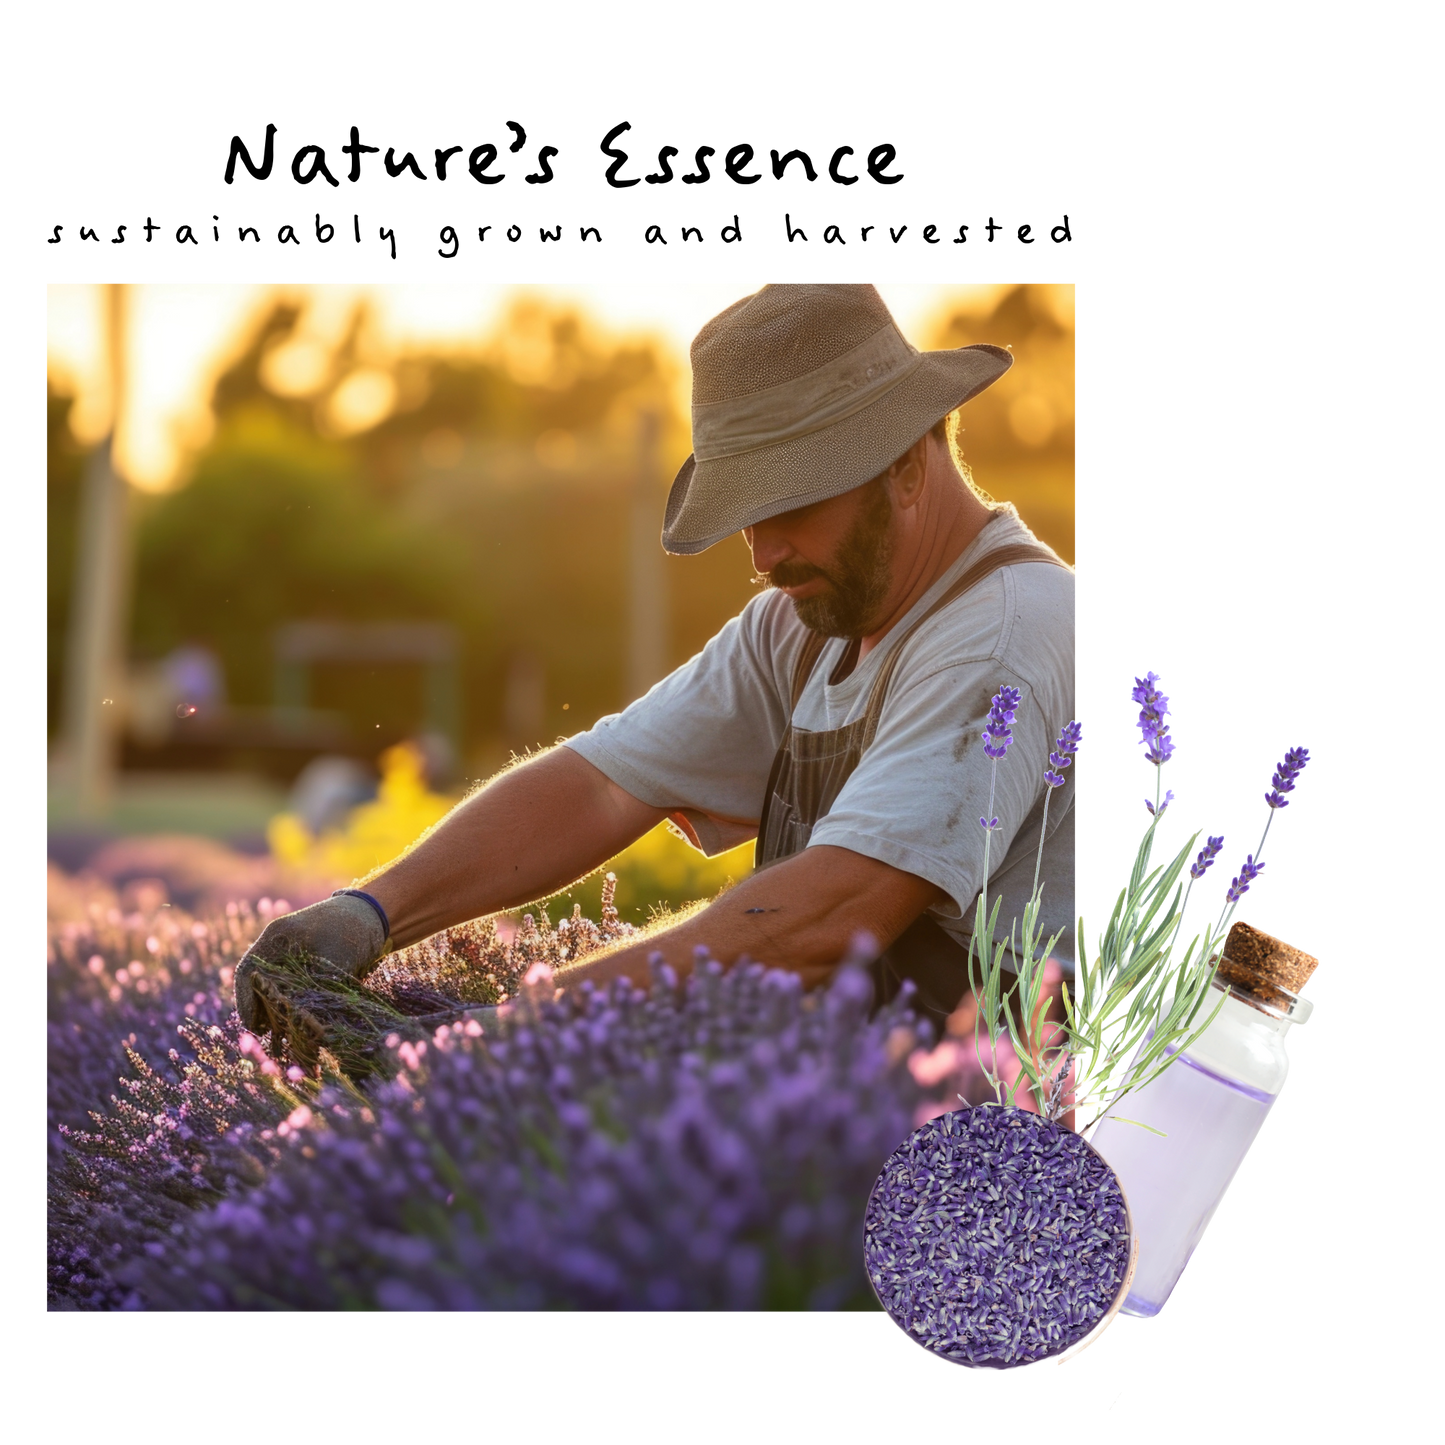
{"points": [[837, 718]]}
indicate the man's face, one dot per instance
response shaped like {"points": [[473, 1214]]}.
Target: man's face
{"points": [[834, 558]]}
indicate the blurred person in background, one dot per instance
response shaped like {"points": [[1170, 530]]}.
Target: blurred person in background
{"points": [[837, 719]]}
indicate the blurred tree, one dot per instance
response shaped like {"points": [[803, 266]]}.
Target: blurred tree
{"points": [[270, 529], [1018, 436], [492, 496], [65, 465]]}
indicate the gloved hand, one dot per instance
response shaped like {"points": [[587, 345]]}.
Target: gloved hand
{"points": [[346, 931]]}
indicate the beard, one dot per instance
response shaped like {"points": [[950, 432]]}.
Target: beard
{"points": [[858, 577]]}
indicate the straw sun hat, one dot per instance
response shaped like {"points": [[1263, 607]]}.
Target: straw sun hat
{"points": [[801, 393]]}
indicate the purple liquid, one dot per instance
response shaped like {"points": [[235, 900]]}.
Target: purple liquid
{"points": [[1174, 1184]]}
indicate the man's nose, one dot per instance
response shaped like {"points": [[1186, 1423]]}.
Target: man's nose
{"points": [[767, 546]]}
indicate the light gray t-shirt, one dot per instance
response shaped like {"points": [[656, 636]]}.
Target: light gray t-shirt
{"points": [[701, 742]]}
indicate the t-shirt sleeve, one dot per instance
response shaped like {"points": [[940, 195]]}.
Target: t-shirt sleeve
{"points": [[917, 795], [701, 742]]}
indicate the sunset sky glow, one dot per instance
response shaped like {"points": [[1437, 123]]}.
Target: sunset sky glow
{"points": [[181, 338]]}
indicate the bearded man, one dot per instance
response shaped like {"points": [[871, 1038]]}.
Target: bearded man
{"points": [[837, 719]]}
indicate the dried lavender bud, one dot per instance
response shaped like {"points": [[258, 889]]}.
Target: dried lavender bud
{"points": [[995, 1237], [1285, 775], [1166, 799], [997, 730], [1239, 886]]}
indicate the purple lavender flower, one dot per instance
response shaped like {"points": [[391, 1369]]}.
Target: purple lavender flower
{"points": [[1165, 802], [1063, 754], [1240, 885], [988, 825], [997, 730], [1207, 854], [706, 1143], [1285, 775], [1153, 708]]}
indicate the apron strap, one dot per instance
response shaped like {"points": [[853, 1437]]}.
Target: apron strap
{"points": [[815, 642], [812, 650], [1014, 553]]}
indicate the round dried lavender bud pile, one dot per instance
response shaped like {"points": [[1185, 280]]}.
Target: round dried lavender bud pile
{"points": [[995, 1237]]}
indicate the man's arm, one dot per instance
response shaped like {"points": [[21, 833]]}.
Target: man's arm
{"points": [[801, 913], [528, 833]]}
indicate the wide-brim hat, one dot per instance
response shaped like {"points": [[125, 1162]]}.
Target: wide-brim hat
{"points": [[801, 393]]}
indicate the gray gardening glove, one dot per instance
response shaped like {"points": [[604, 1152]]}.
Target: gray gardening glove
{"points": [[346, 931]]}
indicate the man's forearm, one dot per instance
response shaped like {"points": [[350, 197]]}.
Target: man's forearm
{"points": [[801, 914], [533, 830]]}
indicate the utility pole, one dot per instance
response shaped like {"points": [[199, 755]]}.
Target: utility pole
{"points": [[95, 653], [647, 583]]}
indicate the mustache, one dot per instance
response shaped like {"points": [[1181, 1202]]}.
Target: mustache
{"points": [[791, 574]]}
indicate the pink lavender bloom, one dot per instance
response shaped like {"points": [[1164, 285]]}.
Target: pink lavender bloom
{"points": [[997, 731], [1165, 802], [1063, 754], [1207, 854], [1240, 886], [1285, 775]]}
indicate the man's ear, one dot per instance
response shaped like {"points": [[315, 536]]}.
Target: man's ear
{"points": [[909, 473]]}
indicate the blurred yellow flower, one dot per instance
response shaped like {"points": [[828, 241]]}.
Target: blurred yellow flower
{"points": [[374, 833], [659, 868]]}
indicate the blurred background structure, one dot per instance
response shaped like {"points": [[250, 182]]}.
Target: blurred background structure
{"points": [[294, 532]]}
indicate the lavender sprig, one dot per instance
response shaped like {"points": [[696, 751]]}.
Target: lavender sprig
{"points": [[1286, 774], [1239, 886], [1153, 708], [997, 735], [1205, 861], [998, 729], [1043, 1063], [1131, 994], [1063, 755], [1065, 749], [1201, 865]]}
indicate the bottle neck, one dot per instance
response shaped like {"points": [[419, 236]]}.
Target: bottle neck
{"points": [[1273, 1009]]}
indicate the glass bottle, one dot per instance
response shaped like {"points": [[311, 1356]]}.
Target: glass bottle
{"points": [[1207, 1106]]}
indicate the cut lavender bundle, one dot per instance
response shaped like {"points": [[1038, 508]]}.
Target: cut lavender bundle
{"points": [[996, 1238]]}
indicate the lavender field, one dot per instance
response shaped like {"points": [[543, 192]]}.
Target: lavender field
{"points": [[705, 1145]]}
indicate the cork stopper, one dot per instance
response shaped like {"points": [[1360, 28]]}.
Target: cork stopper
{"points": [[1272, 971]]}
